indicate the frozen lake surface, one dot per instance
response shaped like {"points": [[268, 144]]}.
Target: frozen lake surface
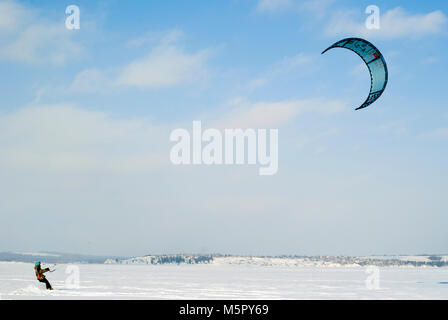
{"points": [[221, 281]]}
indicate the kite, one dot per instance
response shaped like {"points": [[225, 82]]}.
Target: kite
{"points": [[375, 63]]}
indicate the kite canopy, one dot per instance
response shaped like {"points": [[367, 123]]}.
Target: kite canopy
{"points": [[374, 61]]}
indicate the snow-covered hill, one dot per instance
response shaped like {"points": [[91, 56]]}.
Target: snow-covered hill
{"points": [[164, 259], [292, 261]]}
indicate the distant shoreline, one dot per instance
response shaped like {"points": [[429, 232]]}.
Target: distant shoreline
{"points": [[426, 260]]}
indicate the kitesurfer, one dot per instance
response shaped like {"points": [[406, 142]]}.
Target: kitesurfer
{"points": [[40, 275]]}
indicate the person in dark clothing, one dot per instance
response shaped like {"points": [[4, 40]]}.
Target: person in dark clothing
{"points": [[40, 275]]}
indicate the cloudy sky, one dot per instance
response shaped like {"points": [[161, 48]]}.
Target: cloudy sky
{"points": [[85, 119]]}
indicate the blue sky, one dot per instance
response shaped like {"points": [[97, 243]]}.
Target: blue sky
{"points": [[85, 118]]}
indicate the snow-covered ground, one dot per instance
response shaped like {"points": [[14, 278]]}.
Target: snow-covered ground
{"points": [[221, 281]]}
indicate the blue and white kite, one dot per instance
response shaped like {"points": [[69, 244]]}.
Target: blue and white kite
{"points": [[374, 61]]}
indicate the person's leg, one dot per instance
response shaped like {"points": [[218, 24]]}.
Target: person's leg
{"points": [[47, 284]]}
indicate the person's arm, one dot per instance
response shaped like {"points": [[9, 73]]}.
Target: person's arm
{"points": [[45, 270]]}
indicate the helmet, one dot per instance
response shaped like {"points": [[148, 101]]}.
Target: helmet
{"points": [[37, 263]]}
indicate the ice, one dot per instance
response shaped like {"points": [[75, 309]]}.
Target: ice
{"points": [[222, 281]]}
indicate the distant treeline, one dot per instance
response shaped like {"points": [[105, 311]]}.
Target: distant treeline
{"points": [[381, 261], [165, 259], [188, 259], [434, 261]]}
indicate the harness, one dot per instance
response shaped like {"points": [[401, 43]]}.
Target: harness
{"points": [[39, 275]]}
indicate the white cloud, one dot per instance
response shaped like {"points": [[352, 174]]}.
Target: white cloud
{"points": [[276, 114], [67, 139], [12, 15], [164, 66], [31, 40], [394, 23], [64, 138], [265, 114], [44, 43]]}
